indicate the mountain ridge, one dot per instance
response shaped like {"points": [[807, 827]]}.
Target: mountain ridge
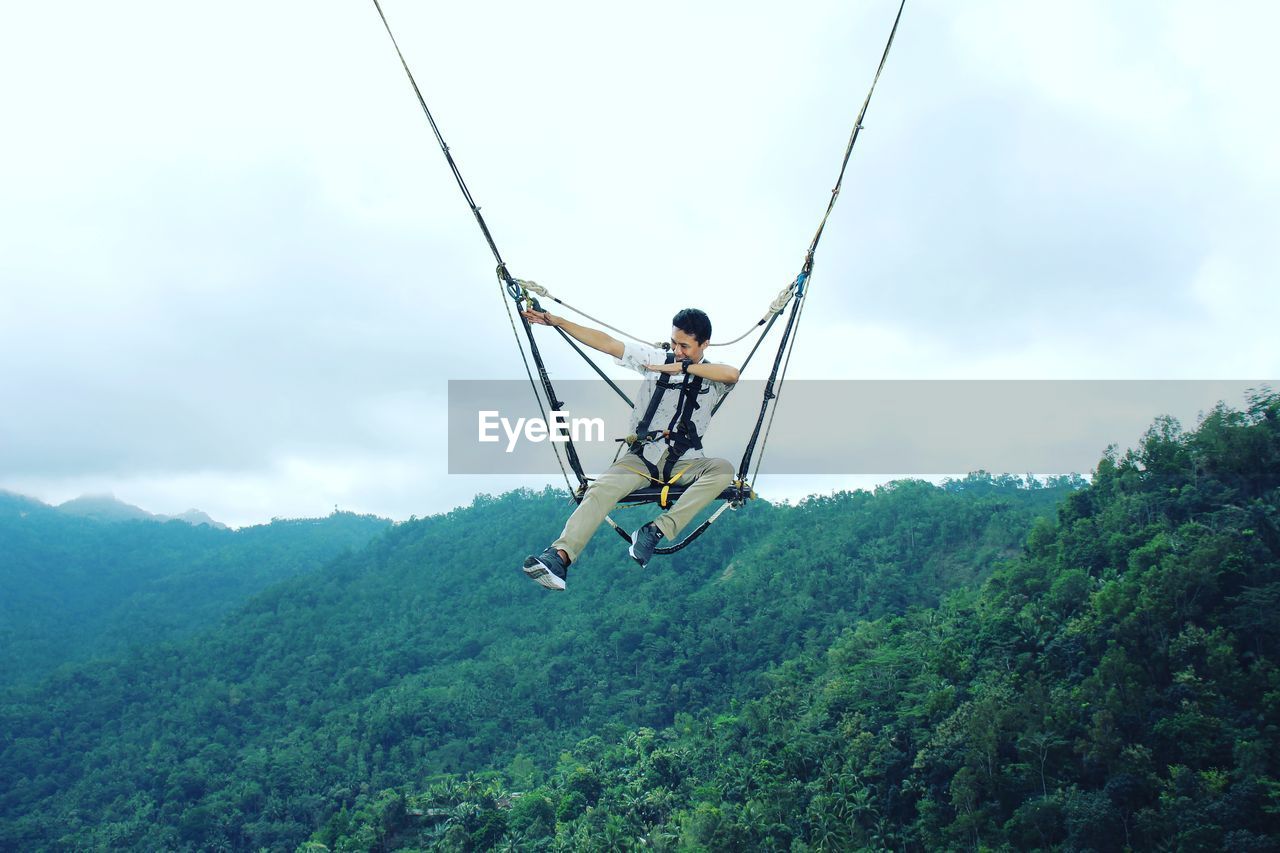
{"points": [[380, 667], [77, 587], [105, 507]]}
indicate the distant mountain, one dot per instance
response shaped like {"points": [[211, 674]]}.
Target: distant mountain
{"points": [[194, 517], [95, 576], [12, 502], [103, 508], [111, 508]]}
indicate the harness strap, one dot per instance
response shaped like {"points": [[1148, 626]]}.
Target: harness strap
{"points": [[655, 399], [682, 431], [653, 476], [666, 488]]}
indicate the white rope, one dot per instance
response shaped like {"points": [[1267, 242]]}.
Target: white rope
{"points": [[775, 307], [542, 291]]}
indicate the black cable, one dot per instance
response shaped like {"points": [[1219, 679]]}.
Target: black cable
{"points": [[537, 398], [746, 361], [807, 269], [457, 175], [556, 405], [595, 367], [745, 464], [853, 137], [512, 287]]}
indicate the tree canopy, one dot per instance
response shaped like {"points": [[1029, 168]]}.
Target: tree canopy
{"points": [[993, 663]]}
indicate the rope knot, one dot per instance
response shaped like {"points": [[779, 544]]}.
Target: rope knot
{"points": [[780, 301], [534, 287]]}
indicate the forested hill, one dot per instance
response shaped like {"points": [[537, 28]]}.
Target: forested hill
{"points": [[1113, 688], [429, 652], [77, 587]]}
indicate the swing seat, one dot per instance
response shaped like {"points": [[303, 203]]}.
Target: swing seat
{"points": [[736, 492], [653, 494]]}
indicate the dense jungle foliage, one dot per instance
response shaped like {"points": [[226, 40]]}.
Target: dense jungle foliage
{"points": [[429, 652], [1114, 687], [989, 664], [77, 588]]}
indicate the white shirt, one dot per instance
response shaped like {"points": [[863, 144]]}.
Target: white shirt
{"points": [[636, 356]]}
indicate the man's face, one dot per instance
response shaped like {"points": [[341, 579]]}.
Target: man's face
{"points": [[685, 345]]}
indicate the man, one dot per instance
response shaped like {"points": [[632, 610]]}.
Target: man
{"points": [[668, 421]]}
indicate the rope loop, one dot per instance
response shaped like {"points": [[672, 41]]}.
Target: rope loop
{"points": [[780, 301], [512, 285], [535, 287]]}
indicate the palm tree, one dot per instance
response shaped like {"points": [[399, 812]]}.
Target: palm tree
{"points": [[444, 792], [613, 835], [660, 838]]}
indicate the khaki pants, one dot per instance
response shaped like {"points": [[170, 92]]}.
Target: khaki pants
{"points": [[705, 478]]}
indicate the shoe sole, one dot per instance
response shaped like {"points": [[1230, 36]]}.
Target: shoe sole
{"points": [[631, 549], [541, 575]]}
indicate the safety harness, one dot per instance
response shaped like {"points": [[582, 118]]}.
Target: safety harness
{"points": [[680, 435]]}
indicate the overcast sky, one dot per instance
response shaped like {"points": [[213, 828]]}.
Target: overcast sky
{"points": [[235, 272]]}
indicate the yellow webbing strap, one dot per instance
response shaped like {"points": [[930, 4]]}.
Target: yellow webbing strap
{"points": [[666, 487], [644, 474]]}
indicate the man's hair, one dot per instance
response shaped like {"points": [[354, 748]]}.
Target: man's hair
{"points": [[693, 322]]}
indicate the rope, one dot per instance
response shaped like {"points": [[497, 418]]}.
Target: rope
{"points": [[775, 308], [784, 296], [807, 269], [773, 318], [764, 443], [457, 175], [589, 360], [853, 137], [503, 275], [542, 291], [745, 465], [779, 302], [536, 396], [570, 451]]}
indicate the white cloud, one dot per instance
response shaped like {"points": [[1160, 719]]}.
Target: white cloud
{"points": [[236, 272]]}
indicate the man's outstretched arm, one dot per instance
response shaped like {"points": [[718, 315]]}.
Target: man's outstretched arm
{"points": [[725, 373], [593, 338]]}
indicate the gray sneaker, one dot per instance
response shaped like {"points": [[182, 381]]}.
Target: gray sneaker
{"points": [[547, 569], [643, 543]]}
